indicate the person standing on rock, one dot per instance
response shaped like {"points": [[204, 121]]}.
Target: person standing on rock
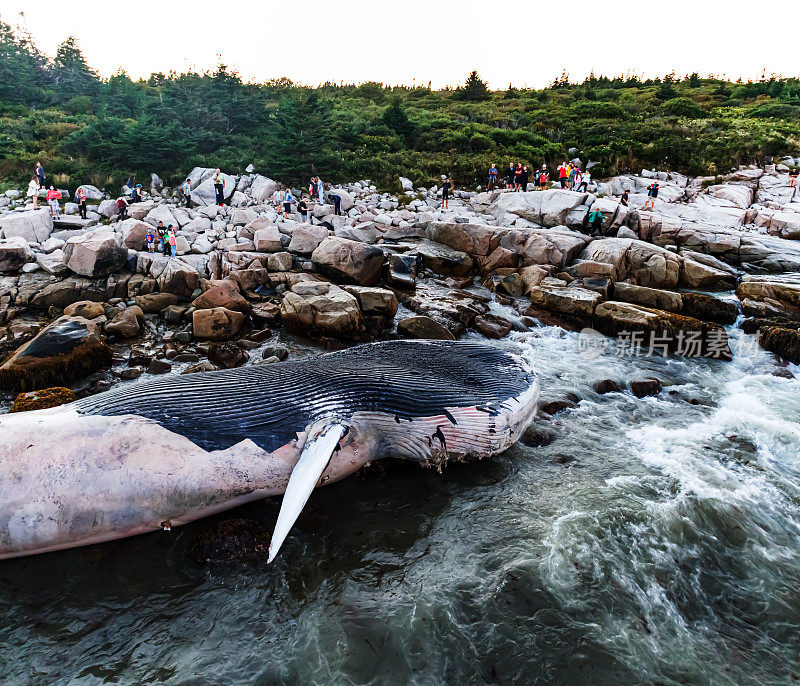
{"points": [[562, 174], [33, 191], [186, 191], [40, 175], [131, 182], [524, 178], [543, 175], [173, 241], [150, 239], [652, 194], [320, 190], [446, 186], [53, 196], [573, 170], [518, 178], [510, 177], [312, 187], [302, 208], [219, 187], [492, 177], [583, 182], [288, 199], [624, 199], [793, 177], [81, 198]]}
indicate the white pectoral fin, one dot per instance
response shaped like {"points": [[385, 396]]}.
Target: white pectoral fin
{"points": [[314, 459]]}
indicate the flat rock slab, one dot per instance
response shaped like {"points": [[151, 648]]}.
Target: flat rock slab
{"points": [[65, 222]]}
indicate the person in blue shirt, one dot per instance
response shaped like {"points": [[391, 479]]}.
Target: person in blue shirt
{"points": [[492, 177], [288, 199]]}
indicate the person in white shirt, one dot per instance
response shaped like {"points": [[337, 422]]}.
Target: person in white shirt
{"points": [[33, 192], [319, 189]]}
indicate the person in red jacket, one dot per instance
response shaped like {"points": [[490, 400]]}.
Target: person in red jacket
{"points": [[53, 196]]}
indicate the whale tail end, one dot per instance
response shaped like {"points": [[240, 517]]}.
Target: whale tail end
{"points": [[322, 442]]}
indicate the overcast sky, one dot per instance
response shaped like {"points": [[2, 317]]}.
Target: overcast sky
{"points": [[525, 43]]}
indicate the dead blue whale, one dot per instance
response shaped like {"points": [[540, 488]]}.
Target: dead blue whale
{"points": [[171, 450]]}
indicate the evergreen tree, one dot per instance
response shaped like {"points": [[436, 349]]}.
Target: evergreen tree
{"points": [[71, 74], [297, 137], [22, 76], [395, 118], [474, 90]]}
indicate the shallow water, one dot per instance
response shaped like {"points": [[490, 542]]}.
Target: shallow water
{"points": [[652, 541]]}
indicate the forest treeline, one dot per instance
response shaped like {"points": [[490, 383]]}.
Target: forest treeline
{"points": [[86, 129]]}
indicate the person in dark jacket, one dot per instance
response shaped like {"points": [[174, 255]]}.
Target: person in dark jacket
{"points": [[219, 187], [337, 203]]}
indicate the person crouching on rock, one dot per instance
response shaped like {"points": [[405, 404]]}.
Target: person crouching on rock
{"points": [[219, 187], [288, 199], [150, 238], [81, 197], [446, 185], [337, 203], [53, 196]]}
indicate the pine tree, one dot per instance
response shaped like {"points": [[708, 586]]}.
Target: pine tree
{"points": [[474, 89], [297, 137], [71, 74], [395, 118]]}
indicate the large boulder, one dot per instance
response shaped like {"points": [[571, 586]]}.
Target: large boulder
{"points": [[161, 213], [770, 295], [108, 208], [222, 294], [94, 254], [133, 233], [557, 246], [349, 261], [14, 252], [92, 192], [217, 324], [68, 349], [647, 329], [375, 301], [314, 308], [262, 188], [473, 239], [567, 300], [424, 328], [306, 238], [204, 193], [348, 203], [153, 303], [441, 259], [34, 226], [126, 324], [637, 261]]}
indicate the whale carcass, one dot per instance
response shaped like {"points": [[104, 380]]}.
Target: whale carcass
{"points": [[171, 450]]}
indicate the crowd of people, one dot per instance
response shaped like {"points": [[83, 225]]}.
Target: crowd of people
{"points": [[517, 177]]}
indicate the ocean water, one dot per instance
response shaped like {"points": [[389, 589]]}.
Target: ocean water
{"points": [[652, 540]]}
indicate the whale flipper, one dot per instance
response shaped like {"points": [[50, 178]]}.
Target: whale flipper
{"points": [[316, 455]]}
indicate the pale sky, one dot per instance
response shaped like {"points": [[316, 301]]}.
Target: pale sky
{"points": [[410, 41]]}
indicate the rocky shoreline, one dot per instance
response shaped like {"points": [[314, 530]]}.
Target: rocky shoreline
{"points": [[81, 297]]}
